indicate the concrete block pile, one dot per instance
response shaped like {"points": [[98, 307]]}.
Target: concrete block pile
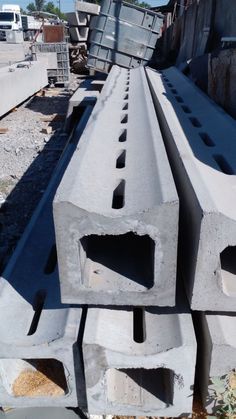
{"points": [[109, 329], [79, 22]]}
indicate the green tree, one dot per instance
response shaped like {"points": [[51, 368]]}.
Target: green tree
{"points": [[31, 7]]}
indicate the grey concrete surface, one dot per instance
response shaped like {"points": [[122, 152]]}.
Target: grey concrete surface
{"points": [[199, 138], [39, 334], [116, 210], [40, 413], [79, 34], [85, 7], [19, 83], [10, 53], [86, 94], [77, 18], [139, 361], [216, 360]]}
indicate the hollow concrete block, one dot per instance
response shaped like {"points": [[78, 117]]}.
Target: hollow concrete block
{"points": [[116, 210], [139, 361], [199, 138], [40, 361], [216, 358]]}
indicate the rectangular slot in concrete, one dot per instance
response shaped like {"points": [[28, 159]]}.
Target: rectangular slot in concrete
{"points": [[124, 262], [228, 270], [153, 388], [33, 377]]}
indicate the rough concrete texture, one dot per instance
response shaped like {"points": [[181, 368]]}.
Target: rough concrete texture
{"points": [[39, 358], [89, 8], [20, 81], [116, 210], [216, 358], [199, 138], [77, 18], [139, 362], [222, 79], [86, 94]]}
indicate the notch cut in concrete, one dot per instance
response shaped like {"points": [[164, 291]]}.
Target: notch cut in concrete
{"points": [[124, 261], [33, 377]]}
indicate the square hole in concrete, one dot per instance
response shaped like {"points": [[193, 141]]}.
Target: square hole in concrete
{"points": [[33, 377], [228, 270], [150, 388], [124, 262]]}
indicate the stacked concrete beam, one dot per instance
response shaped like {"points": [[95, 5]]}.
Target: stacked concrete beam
{"points": [[139, 362], [79, 21], [40, 362], [217, 354], [116, 210], [20, 81], [201, 147]]}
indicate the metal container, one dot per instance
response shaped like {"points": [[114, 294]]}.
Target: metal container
{"points": [[123, 34]]}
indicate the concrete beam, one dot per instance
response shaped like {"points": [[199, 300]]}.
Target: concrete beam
{"points": [[20, 81], [79, 34], [216, 360], [116, 210], [89, 8], [40, 362], [139, 362], [199, 138]]}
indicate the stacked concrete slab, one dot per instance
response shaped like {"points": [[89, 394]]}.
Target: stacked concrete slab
{"points": [[79, 21], [200, 141], [116, 219]]}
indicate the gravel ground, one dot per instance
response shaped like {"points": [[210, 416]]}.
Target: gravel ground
{"points": [[27, 159]]}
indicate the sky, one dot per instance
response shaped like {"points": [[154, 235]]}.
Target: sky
{"points": [[68, 5]]}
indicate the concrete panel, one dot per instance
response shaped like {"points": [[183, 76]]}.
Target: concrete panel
{"points": [[139, 362], [224, 21], [188, 30], [116, 210], [203, 28], [20, 82], [89, 8], [222, 79], [200, 137], [10, 53], [40, 361], [216, 360]]}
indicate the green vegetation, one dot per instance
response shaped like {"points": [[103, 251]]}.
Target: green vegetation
{"points": [[49, 7]]}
